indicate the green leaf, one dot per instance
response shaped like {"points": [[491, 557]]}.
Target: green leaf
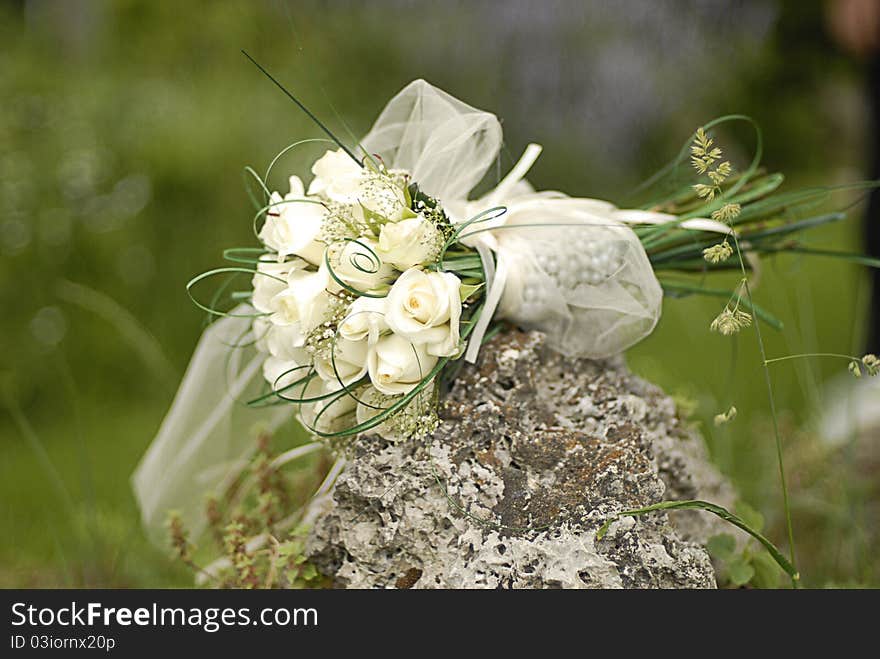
{"points": [[750, 516], [721, 546], [467, 290], [759, 188], [468, 262], [417, 195], [373, 219], [407, 196], [740, 572], [767, 573]]}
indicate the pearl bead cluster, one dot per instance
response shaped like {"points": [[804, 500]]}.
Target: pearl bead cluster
{"points": [[579, 257]]}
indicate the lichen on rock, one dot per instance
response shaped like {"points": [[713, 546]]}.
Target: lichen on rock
{"points": [[533, 453]]}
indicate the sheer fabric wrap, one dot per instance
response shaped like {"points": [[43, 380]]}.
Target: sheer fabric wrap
{"points": [[445, 144], [208, 433], [576, 271], [568, 267], [580, 276]]}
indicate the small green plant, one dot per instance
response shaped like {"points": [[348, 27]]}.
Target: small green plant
{"points": [[254, 540], [746, 566]]}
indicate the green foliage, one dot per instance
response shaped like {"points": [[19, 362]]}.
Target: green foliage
{"points": [[255, 539], [748, 565]]}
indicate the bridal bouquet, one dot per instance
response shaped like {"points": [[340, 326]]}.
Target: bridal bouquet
{"points": [[375, 280], [369, 288], [380, 272]]}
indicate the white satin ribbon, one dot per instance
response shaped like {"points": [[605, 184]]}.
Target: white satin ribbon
{"points": [[488, 261], [494, 291], [518, 173], [496, 275]]}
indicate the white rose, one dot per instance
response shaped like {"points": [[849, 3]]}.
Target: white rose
{"points": [[283, 342], [365, 320], [304, 301], [331, 414], [269, 280], [293, 224], [337, 177], [286, 342], [396, 366], [312, 414], [357, 263], [280, 373], [425, 309], [349, 359], [408, 243], [341, 179]]}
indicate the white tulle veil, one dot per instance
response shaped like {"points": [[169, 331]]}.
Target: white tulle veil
{"points": [[209, 432]]}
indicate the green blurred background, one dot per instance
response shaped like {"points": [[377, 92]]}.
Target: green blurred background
{"points": [[124, 128]]}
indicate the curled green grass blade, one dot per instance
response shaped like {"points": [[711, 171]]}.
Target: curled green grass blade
{"points": [[723, 513], [219, 271]]}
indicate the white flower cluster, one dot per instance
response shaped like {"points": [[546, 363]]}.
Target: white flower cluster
{"points": [[352, 309]]}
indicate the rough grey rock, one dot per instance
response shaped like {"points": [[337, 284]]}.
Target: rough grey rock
{"points": [[534, 452]]}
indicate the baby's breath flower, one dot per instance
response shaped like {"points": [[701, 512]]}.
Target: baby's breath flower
{"points": [[872, 364], [718, 253], [730, 321], [340, 224], [319, 342], [726, 213], [725, 417], [416, 420]]}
